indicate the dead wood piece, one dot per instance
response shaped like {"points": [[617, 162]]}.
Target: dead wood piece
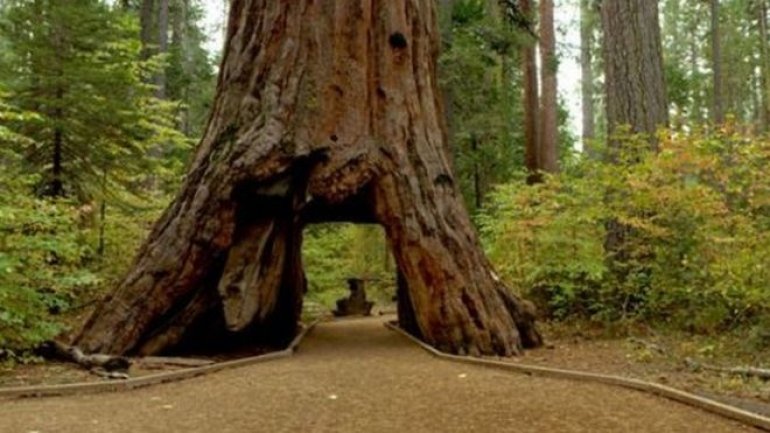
{"points": [[110, 375], [652, 347], [63, 352], [161, 361], [761, 373]]}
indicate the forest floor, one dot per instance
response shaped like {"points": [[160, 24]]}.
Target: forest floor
{"points": [[352, 376], [651, 356], [660, 357]]}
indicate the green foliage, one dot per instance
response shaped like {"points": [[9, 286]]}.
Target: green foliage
{"points": [[190, 74], [481, 84], [76, 66], [695, 243], [71, 69], [49, 259], [332, 253], [688, 57], [10, 115]]}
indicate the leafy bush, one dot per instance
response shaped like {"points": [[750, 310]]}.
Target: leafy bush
{"points": [[49, 256], [695, 243]]}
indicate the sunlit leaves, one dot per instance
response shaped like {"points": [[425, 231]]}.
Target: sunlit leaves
{"points": [[696, 220]]}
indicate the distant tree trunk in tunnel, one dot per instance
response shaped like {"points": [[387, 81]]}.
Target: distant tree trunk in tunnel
{"points": [[325, 111]]}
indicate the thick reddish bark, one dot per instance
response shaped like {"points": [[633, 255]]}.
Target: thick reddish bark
{"points": [[324, 111]]}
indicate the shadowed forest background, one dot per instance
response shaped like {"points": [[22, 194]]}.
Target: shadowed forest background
{"points": [[661, 223]]}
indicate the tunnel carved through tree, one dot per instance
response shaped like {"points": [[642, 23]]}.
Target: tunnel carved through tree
{"points": [[325, 111]]}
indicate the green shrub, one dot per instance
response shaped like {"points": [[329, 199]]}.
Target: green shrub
{"points": [[695, 218], [50, 263]]}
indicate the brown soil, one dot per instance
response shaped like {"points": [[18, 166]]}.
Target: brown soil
{"points": [[353, 376], [655, 359], [54, 373]]}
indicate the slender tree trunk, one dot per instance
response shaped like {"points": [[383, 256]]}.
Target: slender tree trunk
{"points": [[697, 116], [531, 101], [180, 44], [56, 187], [716, 65], [146, 23], [102, 216], [478, 193], [764, 70], [549, 133], [634, 82], [57, 171], [163, 21], [324, 111], [587, 73]]}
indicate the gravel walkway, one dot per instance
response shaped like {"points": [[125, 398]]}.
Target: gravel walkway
{"points": [[355, 376]]}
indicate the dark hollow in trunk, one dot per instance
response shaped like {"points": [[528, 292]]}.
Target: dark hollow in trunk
{"points": [[325, 111]]}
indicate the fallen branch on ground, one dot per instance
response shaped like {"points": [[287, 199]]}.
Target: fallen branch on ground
{"points": [[63, 352], [152, 362], [652, 347], [761, 373]]}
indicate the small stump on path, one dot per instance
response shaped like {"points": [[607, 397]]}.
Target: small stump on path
{"points": [[355, 304]]}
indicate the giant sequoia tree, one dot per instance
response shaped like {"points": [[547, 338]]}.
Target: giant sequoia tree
{"points": [[325, 111]]}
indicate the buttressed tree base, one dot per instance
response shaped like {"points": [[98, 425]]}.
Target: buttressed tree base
{"points": [[325, 111]]}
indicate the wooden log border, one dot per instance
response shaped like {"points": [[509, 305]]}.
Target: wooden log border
{"points": [[38, 391], [712, 406]]}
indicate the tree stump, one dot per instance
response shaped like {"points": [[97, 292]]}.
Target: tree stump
{"points": [[354, 304], [325, 111]]}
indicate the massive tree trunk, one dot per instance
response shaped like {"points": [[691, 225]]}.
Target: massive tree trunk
{"points": [[325, 111], [633, 61]]}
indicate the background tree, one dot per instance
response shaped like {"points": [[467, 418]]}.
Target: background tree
{"points": [[635, 86], [480, 80], [76, 66], [587, 86], [760, 9], [716, 62], [531, 98], [548, 132], [73, 76]]}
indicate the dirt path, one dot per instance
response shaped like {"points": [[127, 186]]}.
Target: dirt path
{"points": [[355, 376]]}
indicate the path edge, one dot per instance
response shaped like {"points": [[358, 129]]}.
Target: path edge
{"points": [[80, 388], [706, 404]]}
